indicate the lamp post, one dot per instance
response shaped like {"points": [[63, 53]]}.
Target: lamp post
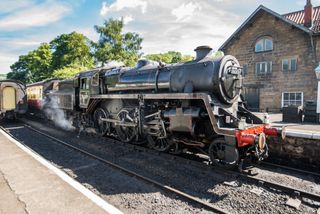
{"points": [[317, 71]]}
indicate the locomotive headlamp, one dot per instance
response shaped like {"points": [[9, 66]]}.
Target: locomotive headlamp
{"points": [[262, 141]]}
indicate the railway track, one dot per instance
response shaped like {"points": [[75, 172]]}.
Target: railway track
{"points": [[164, 187], [269, 165], [291, 191], [246, 174]]}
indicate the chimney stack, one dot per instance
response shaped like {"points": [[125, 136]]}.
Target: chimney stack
{"points": [[203, 52], [308, 14]]}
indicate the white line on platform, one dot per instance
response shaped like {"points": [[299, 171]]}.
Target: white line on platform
{"points": [[75, 184]]}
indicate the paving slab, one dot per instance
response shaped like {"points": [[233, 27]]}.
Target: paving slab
{"points": [[29, 186]]}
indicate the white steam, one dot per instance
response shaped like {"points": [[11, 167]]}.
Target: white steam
{"points": [[57, 115]]}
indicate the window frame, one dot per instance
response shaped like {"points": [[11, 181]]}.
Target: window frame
{"points": [[266, 67], [86, 81], [289, 64], [245, 68], [95, 79], [264, 41], [294, 92]]}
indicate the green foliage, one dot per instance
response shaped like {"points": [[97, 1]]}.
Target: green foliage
{"points": [[218, 54], [186, 58], [114, 45], [169, 57], [33, 67], [3, 76], [68, 71], [70, 49], [66, 54]]}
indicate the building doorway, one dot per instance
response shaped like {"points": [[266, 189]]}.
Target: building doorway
{"points": [[252, 97]]}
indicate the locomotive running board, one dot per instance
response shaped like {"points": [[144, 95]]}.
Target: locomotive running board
{"points": [[174, 96]]}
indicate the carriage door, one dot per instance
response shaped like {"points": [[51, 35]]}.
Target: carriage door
{"points": [[84, 92], [9, 98], [252, 97]]}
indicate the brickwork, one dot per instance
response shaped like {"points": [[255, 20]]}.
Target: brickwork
{"points": [[288, 42]]}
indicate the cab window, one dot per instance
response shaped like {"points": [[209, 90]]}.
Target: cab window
{"points": [[85, 83], [95, 79]]}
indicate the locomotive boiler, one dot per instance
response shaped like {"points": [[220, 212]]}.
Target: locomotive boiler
{"points": [[185, 106]]}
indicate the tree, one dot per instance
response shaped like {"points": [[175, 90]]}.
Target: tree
{"points": [[114, 45], [33, 67], [68, 71], [169, 57], [71, 49]]}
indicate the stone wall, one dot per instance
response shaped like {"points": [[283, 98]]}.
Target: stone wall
{"points": [[288, 42], [297, 150]]}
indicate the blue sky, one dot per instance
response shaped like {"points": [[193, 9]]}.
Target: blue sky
{"points": [[165, 25]]}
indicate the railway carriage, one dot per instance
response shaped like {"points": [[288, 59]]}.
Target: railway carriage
{"points": [[178, 107], [13, 99], [36, 93]]}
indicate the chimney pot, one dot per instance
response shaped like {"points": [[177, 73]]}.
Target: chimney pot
{"points": [[308, 14]]}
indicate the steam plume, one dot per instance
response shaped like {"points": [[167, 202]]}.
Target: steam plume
{"points": [[53, 112]]}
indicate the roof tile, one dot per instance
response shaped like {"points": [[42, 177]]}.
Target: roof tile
{"points": [[298, 17]]}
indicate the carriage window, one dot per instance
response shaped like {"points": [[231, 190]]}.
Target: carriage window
{"points": [[95, 79], [85, 83], [264, 44]]}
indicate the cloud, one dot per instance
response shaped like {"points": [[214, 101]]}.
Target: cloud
{"points": [[185, 11], [7, 6], [181, 29], [127, 19], [34, 16], [5, 61], [119, 5]]}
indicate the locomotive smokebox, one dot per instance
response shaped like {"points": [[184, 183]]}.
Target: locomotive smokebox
{"points": [[203, 52]]}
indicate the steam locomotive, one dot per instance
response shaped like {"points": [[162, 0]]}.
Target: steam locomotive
{"points": [[177, 107]]}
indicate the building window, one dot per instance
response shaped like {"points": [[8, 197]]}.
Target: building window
{"points": [[245, 70], [292, 98], [264, 44], [289, 64], [263, 67]]}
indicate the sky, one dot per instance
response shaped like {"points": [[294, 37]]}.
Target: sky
{"points": [[165, 25]]}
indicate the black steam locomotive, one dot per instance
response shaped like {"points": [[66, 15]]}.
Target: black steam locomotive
{"points": [[192, 105]]}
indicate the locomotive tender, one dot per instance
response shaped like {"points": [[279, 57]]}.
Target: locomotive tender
{"points": [[192, 105]]}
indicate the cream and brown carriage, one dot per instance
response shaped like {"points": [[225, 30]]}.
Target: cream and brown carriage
{"points": [[13, 100]]}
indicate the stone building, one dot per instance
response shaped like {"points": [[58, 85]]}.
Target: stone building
{"points": [[279, 54]]}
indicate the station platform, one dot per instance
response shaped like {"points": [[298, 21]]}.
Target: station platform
{"points": [[30, 184], [300, 130]]}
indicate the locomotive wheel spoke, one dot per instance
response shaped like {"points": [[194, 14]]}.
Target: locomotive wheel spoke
{"points": [[125, 133], [159, 144], [222, 154], [101, 127]]}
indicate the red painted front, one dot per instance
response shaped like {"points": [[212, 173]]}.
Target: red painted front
{"points": [[248, 136]]}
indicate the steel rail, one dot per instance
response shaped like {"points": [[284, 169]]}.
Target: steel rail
{"points": [[167, 188], [268, 164], [288, 189]]}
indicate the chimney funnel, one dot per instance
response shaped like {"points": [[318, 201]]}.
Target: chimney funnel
{"points": [[203, 52], [308, 14]]}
